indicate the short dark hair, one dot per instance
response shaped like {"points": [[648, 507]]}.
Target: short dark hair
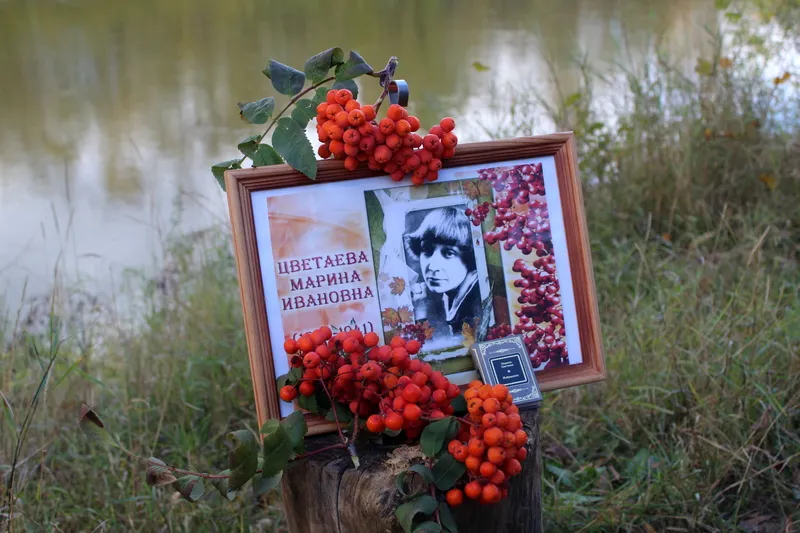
{"points": [[448, 226]]}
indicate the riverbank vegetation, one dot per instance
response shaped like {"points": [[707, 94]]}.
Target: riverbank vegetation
{"points": [[693, 202]]}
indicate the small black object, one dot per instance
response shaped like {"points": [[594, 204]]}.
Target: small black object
{"points": [[398, 92], [506, 361]]}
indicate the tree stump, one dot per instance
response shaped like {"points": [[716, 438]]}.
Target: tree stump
{"points": [[324, 493]]}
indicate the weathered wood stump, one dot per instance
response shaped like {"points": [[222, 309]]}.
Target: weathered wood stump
{"points": [[326, 494]]}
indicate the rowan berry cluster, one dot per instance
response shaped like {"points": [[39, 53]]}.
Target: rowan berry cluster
{"points": [[492, 445], [350, 131], [383, 385]]}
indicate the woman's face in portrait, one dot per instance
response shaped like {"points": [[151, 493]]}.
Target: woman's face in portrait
{"points": [[442, 267]]}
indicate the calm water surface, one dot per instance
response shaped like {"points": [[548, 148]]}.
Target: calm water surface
{"points": [[112, 111]]}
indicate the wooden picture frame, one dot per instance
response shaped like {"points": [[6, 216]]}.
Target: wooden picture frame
{"points": [[294, 195]]}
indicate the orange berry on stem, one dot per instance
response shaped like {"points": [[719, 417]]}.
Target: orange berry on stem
{"points": [[499, 392], [369, 112], [335, 133], [490, 405], [473, 490], [393, 421], [498, 477], [493, 436], [332, 110], [413, 122], [447, 124], [343, 96], [382, 155], [402, 127], [412, 411], [522, 454], [330, 97], [496, 455], [375, 424], [356, 117], [305, 343], [352, 105], [488, 469], [323, 151], [394, 141], [395, 112], [454, 497], [341, 119], [288, 393], [473, 463], [476, 447], [371, 339], [489, 420], [307, 388], [290, 346], [430, 142], [436, 130], [448, 153], [386, 126], [449, 140], [490, 493]]}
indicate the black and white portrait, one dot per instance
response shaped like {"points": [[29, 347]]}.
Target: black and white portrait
{"points": [[439, 248]]}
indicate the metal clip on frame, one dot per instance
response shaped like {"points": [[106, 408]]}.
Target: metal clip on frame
{"points": [[398, 92]]}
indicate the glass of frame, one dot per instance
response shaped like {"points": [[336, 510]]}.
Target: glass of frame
{"points": [[498, 245]]}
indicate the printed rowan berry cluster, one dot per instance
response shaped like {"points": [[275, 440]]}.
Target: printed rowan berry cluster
{"points": [[381, 384], [492, 447], [523, 222], [349, 131]]}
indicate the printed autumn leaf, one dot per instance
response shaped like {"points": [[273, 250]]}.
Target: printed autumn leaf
{"points": [[404, 313], [383, 277], [484, 188], [471, 190], [782, 79], [398, 285], [429, 331], [390, 317], [725, 62]]}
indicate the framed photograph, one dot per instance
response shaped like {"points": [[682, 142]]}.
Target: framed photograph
{"points": [[497, 246]]}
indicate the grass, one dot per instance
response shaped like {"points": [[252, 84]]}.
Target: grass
{"points": [[693, 203]]}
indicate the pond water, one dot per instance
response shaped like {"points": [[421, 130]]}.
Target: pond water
{"points": [[112, 112]]}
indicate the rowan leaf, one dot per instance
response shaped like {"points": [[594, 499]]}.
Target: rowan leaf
{"points": [[447, 518], [406, 512], [277, 448], [304, 111], [436, 434], [265, 156], [190, 487], [290, 141], [317, 66], [350, 85], [249, 146], [219, 170], [446, 471], [296, 428], [258, 112], [158, 473], [262, 484], [243, 458], [223, 486], [285, 79], [354, 67], [428, 527]]}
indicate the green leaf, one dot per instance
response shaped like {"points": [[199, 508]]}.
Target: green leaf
{"points": [[290, 378], [423, 471], [219, 170], [428, 527], [277, 448], [243, 458], [406, 513], [733, 16], [249, 146], [309, 403], [304, 111], [258, 112], [447, 518], [459, 403], [296, 428], [572, 99], [320, 95], [190, 487], [317, 66], [266, 156], [722, 4], [446, 471], [262, 485], [158, 474], [9, 417], [91, 426], [285, 79], [704, 67], [480, 67], [436, 434], [347, 84], [342, 413], [291, 143], [223, 486], [354, 67]]}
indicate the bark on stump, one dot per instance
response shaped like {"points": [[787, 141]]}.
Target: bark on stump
{"points": [[326, 494]]}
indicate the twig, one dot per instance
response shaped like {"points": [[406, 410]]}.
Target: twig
{"points": [[333, 408]]}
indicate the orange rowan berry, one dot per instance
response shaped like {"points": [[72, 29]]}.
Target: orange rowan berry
{"points": [[335, 133], [430, 141], [490, 493], [509, 439], [447, 124], [307, 388], [412, 392], [476, 447], [356, 117], [399, 356], [351, 136], [496, 455], [413, 346], [512, 409], [321, 108], [460, 454], [393, 141], [489, 420], [487, 469], [449, 140], [474, 406], [288, 393], [323, 151], [514, 422], [439, 396], [399, 403], [419, 379], [473, 463], [402, 127], [454, 497], [371, 339], [490, 405], [493, 436], [451, 446], [350, 345], [397, 175], [330, 97], [305, 343], [369, 112], [375, 424], [341, 120], [412, 411], [448, 153], [522, 454], [395, 112], [382, 155], [386, 126], [498, 477], [393, 421], [332, 110], [352, 105], [290, 346], [512, 467], [470, 394], [351, 149], [413, 122], [436, 130], [499, 392], [484, 392], [343, 96], [473, 490], [390, 381], [397, 342], [520, 438], [475, 384], [502, 419]]}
